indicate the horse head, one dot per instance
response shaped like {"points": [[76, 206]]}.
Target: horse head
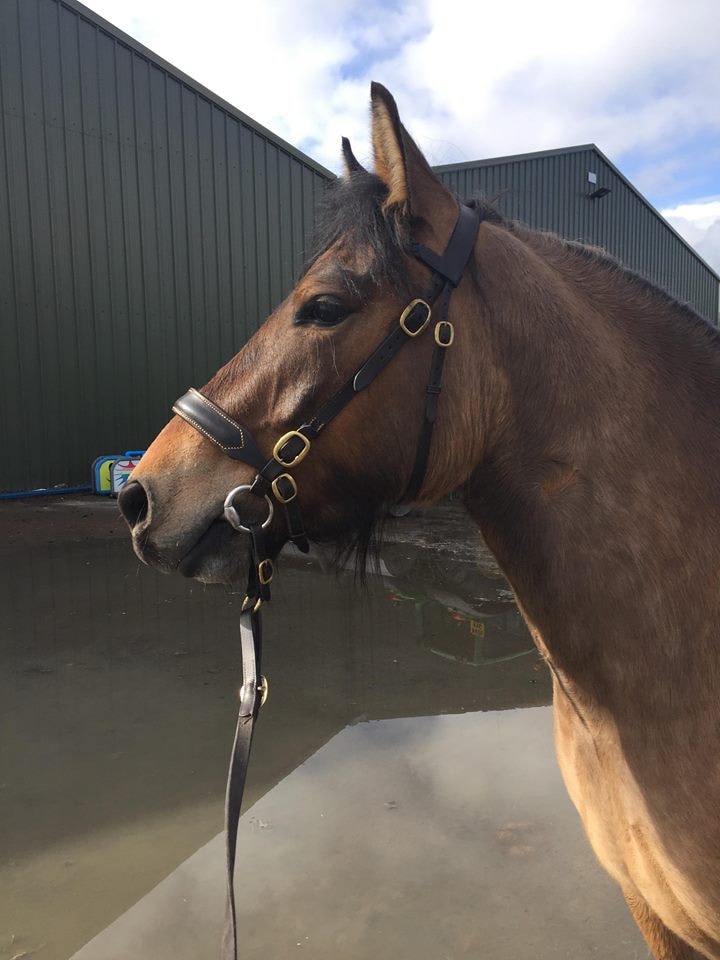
{"points": [[362, 274]]}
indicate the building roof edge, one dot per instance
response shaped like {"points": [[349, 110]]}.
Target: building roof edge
{"points": [[560, 151], [87, 14]]}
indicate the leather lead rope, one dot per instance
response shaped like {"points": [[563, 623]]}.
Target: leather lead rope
{"points": [[253, 694]]}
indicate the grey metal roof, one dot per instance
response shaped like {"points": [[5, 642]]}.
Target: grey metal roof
{"points": [[579, 148]]}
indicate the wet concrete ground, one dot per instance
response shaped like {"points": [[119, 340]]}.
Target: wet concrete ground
{"points": [[403, 798]]}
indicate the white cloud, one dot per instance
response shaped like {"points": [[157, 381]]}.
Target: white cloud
{"points": [[701, 215], [699, 224], [472, 78], [281, 62]]}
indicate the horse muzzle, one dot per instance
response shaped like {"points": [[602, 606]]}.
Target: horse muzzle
{"points": [[195, 543]]}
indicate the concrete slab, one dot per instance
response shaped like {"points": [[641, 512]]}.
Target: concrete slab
{"points": [[430, 838]]}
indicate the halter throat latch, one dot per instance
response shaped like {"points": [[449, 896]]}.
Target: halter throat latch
{"points": [[450, 265]]}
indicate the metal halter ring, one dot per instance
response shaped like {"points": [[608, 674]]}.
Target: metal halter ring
{"points": [[231, 513]]}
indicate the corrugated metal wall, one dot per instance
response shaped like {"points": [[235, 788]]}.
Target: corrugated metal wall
{"points": [[146, 228], [550, 191]]}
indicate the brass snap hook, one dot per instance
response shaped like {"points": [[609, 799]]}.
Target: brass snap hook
{"points": [[249, 602]]}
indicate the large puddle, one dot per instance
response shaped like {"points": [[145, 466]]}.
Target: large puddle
{"points": [[405, 800]]}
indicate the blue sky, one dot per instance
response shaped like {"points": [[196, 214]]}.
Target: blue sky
{"points": [[689, 170], [640, 78]]}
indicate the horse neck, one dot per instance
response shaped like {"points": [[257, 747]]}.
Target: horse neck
{"points": [[599, 487]]}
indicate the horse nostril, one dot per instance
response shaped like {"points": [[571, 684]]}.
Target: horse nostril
{"points": [[134, 504]]}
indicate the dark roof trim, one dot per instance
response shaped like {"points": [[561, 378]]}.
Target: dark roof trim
{"points": [[514, 158], [519, 157], [97, 21]]}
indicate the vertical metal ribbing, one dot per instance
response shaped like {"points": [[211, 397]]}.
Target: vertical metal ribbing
{"points": [[549, 191], [146, 228]]}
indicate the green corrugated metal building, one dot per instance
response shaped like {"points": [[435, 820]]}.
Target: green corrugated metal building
{"points": [[579, 194], [147, 227]]}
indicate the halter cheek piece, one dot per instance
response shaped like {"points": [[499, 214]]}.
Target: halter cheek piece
{"points": [[275, 483]]}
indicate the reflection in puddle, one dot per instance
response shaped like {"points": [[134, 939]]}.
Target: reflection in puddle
{"points": [[412, 838], [119, 693]]}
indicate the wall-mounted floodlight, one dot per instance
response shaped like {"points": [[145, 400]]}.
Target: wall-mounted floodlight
{"points": [[599, 193]]}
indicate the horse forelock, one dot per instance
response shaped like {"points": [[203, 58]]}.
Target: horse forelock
{"points": [[351, 216]]}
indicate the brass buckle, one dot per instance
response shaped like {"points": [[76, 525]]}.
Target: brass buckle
{"points": [[406, 313], [438, 325], [282, 441], [276, 490], [265, 571], [248, 602]]}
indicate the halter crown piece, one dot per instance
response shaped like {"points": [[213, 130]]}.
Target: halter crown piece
{"points": [[275, 484]]}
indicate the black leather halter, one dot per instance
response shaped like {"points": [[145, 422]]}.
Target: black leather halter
{"points": [[274, 482]]}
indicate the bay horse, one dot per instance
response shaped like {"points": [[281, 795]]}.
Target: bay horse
{"points": [[580, 415]]}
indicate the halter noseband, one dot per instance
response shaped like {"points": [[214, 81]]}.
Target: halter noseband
{"points": [[274, 482]]}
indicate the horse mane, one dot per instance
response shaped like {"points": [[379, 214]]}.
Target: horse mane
{"points": [[551, 244], [352, 208]]}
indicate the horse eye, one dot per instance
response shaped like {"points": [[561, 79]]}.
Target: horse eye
{"points": [[323, 312]]}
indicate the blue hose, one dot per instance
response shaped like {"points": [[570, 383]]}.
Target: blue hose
{"points": [[43, 492]]}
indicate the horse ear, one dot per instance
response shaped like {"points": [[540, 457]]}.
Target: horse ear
{"points": [[351, 164], [399, 163]]}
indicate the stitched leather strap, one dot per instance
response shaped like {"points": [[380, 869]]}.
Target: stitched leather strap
{"points": [[296, 527], [453, 261], [235, 441], [443, 339], [450, 266]]}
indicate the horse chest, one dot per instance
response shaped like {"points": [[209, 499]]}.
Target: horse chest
{"points": [[623, 833], [586, 764]]}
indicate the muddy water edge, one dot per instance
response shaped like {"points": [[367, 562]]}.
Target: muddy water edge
{"points": [[118, 690]]}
